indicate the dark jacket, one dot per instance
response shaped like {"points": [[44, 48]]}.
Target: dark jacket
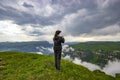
{"points": [[58, 40]]}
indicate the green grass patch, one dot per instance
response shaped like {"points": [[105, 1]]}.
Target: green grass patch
{"points": [[28, 66], [106, 46]]}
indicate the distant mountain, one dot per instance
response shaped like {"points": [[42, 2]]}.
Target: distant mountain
{"points": [[32, 46], [70, 43]]}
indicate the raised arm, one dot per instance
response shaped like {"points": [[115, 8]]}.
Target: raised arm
{"points": [[62, 39]]}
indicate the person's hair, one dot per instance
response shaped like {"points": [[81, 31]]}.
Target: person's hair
{"points": [[57, 33]]}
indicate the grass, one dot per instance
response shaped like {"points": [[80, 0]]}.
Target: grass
{"points": [[28, 66], [106, 46]]}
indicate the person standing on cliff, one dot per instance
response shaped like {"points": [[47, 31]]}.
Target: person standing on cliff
{"points": [[58, 48]]}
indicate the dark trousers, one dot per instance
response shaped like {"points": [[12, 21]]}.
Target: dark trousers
{"points": [[57, 54]]}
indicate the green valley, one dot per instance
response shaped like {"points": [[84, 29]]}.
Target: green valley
{"points": [[96, 52]]}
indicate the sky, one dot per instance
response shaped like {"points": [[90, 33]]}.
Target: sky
{"points": [[79, 20]]}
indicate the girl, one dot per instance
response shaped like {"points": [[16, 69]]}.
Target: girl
{"points": [[58, 48]]}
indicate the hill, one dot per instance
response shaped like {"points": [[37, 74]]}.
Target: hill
{"points": [[98, 53], [94, 46], [25, 66]]}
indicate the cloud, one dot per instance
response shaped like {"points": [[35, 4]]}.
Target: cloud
{"points": [[12, 32], [67, 48], [45, 50], [86, 20], [111, 68], [27, 5], [75, 24], [110, 30], [90, 66], [22, 15], [39, 52]]}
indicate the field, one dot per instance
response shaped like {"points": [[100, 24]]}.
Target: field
{"points": [[28, 66], [94, 46]]}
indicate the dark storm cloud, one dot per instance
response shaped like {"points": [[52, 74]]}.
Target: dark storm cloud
{"points": [[82, 25], [71, 6], [7, 13], [35, 33], [21, 18], [99, 14], [26, 18], [27, 5], [98, 17]]}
